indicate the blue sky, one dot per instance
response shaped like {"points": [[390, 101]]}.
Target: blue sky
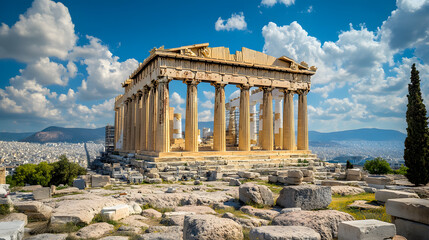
{"points": [[62, 62]]}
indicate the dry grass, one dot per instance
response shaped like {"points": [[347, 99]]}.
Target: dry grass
{"points": [[340, 203]]}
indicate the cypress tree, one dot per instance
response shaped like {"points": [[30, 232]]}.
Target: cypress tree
{"points": [[416, 153]]}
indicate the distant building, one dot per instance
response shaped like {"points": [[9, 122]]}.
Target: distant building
{"points": [[109, 145]]}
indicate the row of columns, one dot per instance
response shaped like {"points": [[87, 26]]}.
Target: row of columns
{"points": [[145, 118]]}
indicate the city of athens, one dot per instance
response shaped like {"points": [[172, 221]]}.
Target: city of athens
{"points": [[214, 120]]}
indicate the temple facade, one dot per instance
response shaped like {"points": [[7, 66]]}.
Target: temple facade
{"points": [[145, 123]]}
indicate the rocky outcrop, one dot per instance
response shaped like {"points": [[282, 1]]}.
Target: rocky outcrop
{"points": [[325, 222], [346, 190], [261, 213], [209, 227], [250, 193], [307, 197], [95, 230], [151, 213], [34, 210], [246, 222], [283, 233]]}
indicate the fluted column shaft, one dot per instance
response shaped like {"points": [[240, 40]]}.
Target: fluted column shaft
{"points": [[138, 121], [128, 125], [267, 131], [302, 121], [116, 127], [253, 127], [278, 124], [152, 116], [219, 128], [191, 126], [288, 123], [144, 119], [244, 125], [261, 124], [163, 120]]}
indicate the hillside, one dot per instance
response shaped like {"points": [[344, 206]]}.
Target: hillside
{"points": [[363, 134], [71, 135], [9, 136]]}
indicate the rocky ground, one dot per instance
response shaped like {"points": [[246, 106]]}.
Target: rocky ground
{"points": [[189, 210]]}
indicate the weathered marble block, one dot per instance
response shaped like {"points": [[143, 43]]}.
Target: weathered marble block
{"points": [[116, 212], [12, 230], [283, 233], [411, 230], [366, 230], [307, 197], [414, 209], [42, 193], [384, 194]]}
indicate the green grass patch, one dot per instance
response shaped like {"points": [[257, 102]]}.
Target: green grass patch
{"points": [[213, 190], [274, 187], [161, 210], [340, 203], [236, 213], [4, 209]]}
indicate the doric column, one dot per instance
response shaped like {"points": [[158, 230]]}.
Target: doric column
{"points": [[278, 124], [116, 127], [128, 125], [244, 125], [302, 121], [138, 120], [191, 126], [133, 123], [121, 126], [267, 131], [177, 126], [288, 124], [153, 109], [232, 134], [261, 123], [144, 119], [253, 126], [219, 128], [163, 120]]}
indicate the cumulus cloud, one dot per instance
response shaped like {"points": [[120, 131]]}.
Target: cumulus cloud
{"points": [[209, 95], [45, 30], [235, 94], [270, 3], [207, 104], [205, 116], [235, 22]]}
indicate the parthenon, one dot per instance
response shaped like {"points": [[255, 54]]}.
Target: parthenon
{"points": [[145, 123]]}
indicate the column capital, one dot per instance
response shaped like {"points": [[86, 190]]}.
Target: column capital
{"points": [[128, 100], [191, 81], [267, 88], [146, 89], [154, 83], [218, 84], [164, 80], [285, 90], [139, 93], [244, 86], [134, 97], [302, 91]]}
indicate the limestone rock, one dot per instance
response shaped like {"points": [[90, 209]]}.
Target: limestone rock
{"points": [[346, 190], [295, 174], [135, 221], [262, 213], [115, 212], [246, 222], [251, 193], [207, 227], [384, 194], [161, 236], [114, 238], [34, 210], [48, 236], [325, 222], [134, 208], [175, 218], [363, 205], [366, 229], [283, 233], [151, 213], [195, 209], [95, 230], [234, 182], [307, 197], [413, 209], [15, 217], [12, 230], [411, 230]]}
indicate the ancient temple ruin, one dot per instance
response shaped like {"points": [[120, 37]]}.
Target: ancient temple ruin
{"points": [[145, 123]]}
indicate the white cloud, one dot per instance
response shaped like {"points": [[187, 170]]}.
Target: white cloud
{"points": [[310, 9], [176, 99], [235, 22], [209, 95], [270, 3], [205, 116], [105, 71], [235, 94], [45, 30], [207, 104]]}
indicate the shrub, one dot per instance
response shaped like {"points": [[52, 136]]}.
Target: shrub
{"points": [[349, 165], [377, 166], [402, 170]]}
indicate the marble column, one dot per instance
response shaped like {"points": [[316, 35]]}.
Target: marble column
{"points": [[153, 109], [261, 123], [177, 126], [138, 120], [116, 128], [278, 124], [163, 120], [244, 125], [128, 125], [253, 126], [191, 126], [267, 131], [288, 122], [302, 121], [133, 123], [232, 133], [144, 119], [219, 127]]}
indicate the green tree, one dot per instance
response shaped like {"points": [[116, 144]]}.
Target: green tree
{"points": [[23, 174], [377, 166], [64, 172], [349, 165], [42, 175], [416, 151]]}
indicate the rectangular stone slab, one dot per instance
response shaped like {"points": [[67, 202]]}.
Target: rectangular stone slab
{"points": [[414, 209], [411, 230], [385, 194], [365, 230]]}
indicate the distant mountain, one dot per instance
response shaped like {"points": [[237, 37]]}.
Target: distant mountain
{"points": [[8, 136], [71, 135], [363, 134]]}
